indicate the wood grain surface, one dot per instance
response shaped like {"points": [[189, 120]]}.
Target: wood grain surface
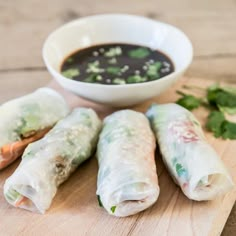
{"points": [[75, 210], [24, 25]]}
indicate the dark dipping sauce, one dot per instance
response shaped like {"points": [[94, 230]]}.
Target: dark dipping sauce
{"points": [[116, 64]]}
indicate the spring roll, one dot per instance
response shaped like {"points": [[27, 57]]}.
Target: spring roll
{"points": [[191, 161], [127, 179], [48, 162], [27, 119]]}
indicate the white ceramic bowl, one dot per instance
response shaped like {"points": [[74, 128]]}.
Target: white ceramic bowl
{"points": [[110, 28]]}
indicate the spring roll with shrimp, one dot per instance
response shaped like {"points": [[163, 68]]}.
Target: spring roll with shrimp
{"points": [[127, 178], [27, 119], [191, 161], [48, 162]]}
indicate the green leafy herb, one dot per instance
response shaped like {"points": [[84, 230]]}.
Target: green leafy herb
{"points": [[30, 122], [99, 201], [220, 126], [139, 53], [153, 70], [93, 78], [190, 102], [214, 122], [229, 130], [228, 110], [119, 81], [70, 73], [229, 89], [93, 67], [112, 52], [136, 79], [114, 70], [222, 98], [180, 169], [113, 208]]}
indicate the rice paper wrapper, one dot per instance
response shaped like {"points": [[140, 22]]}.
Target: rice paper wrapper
{"points": [[127, 179], [26, 115], [49, 162], [191, 161]]}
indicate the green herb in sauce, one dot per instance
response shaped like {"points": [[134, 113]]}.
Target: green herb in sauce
{"points": [[70, 73], [117, 64], [114, 51], [136, 79], [153, 70], [93, 78], [119, 81], [115, 70], [93, 67], [139, 53]]}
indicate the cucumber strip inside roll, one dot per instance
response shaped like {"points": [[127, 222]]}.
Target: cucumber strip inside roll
{"points": [[27, 119]]}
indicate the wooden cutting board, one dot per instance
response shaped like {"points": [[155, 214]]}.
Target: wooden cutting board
{"points": [[75, 210]]}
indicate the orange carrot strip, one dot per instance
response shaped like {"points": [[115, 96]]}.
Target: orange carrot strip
{"points": [[10, 152], [20, 201]]}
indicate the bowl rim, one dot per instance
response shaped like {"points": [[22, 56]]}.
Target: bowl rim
{"points": [[92, 17]]}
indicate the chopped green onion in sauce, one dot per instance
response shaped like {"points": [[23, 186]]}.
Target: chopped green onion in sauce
{"points": [[140, 52], [116, 64], [70, 73]]}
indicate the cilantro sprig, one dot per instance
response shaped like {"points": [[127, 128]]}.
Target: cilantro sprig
{"points": [[188, 101], [222, 98], [220, 126], [219, 100]]}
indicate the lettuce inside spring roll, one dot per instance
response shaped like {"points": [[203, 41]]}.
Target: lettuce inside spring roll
{"points": [[27, 119], [127, 179], [191, 161], [48, 162]]}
